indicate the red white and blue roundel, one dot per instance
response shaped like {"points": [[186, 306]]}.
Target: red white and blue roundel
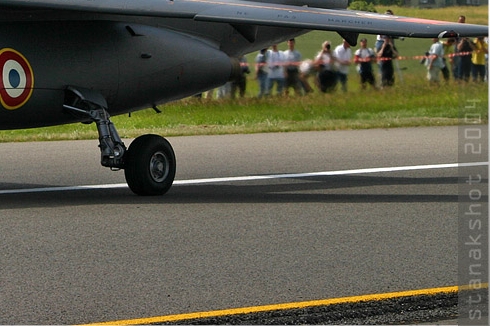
{"points": [[17, 79]]}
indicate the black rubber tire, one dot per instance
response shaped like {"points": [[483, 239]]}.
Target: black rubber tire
{"points": [[149, 165]]}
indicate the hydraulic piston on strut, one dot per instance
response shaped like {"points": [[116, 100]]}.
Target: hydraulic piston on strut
{"points": [[92, 105]]}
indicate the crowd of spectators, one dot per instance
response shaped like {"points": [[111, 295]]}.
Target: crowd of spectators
{"points": [[278, 71]]}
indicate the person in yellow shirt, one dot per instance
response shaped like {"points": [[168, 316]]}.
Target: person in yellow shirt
{"points": [[480, 49]]}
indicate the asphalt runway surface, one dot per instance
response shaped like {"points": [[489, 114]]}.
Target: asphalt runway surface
{"points": [[320, 215]]}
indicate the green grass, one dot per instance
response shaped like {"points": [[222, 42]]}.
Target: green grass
{"points": [[474, 14], [412, 102]]}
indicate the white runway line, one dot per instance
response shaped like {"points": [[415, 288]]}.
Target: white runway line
{"points": [[252, 178]]}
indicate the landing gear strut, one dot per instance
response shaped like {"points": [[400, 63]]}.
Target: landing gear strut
{"points": [[149, 163]]}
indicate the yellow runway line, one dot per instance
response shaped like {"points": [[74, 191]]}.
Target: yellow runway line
{"points": [[287, 306]]}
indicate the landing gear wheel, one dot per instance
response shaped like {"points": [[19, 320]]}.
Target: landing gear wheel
{"points": [[149, 165]]}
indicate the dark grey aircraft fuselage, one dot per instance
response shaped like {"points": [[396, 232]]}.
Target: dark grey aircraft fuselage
{"points": [[133, 65], [85, 60]]}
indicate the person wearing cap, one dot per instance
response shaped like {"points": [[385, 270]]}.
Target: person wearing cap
{"points": [[364, 58], [261, 71], [324, 64], [434, 61]]}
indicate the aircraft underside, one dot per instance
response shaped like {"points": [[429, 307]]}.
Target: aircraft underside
{"points": [[61, 71], [83, 61]]}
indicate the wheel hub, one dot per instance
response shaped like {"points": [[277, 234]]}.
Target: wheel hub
{"points": [[159, 167]]}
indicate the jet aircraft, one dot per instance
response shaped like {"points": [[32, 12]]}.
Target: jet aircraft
{"points": [[67, 61]]}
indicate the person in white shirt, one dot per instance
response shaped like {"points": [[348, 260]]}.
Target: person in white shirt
{"points": [[275, 63], [292, 61], [434, 62], [343, 56]]}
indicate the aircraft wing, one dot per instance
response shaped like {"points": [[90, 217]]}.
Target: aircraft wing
{"points": [[263, 13], [338, 20]]}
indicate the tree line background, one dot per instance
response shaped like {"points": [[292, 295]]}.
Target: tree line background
{"points": [[370, 5]]}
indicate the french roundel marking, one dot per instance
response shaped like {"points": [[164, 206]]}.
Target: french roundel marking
{"points": [[17, 79]]}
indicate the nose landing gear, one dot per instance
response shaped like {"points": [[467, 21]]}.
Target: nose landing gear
{"points": [[149, 163]]}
